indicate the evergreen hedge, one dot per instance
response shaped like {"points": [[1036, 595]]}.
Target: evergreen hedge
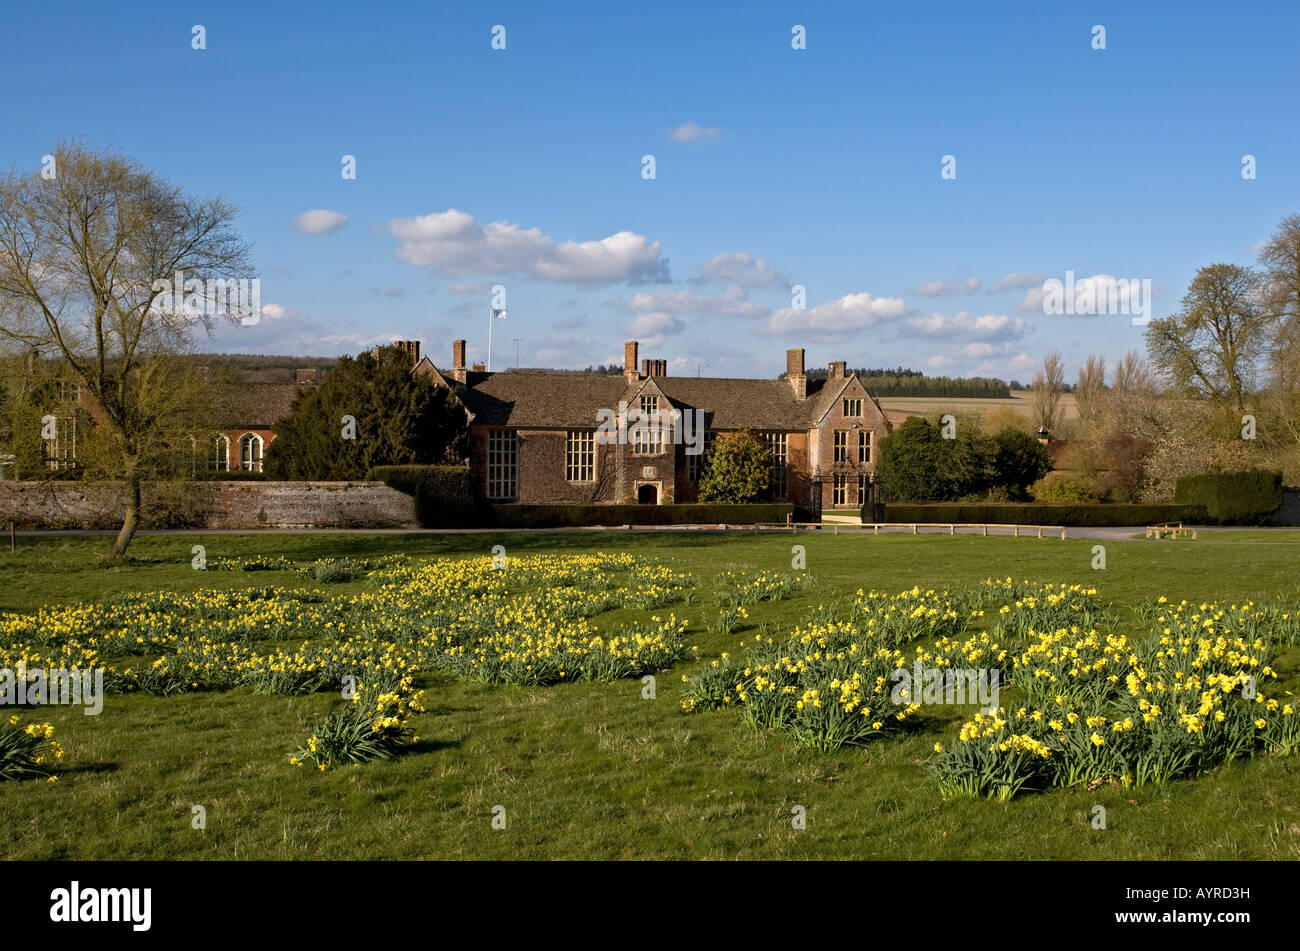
{"points": [[1248, 497], [444, 496], [1028, 513], [525, 515]]}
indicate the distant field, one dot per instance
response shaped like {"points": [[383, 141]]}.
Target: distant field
{"points": [[899, 408]]}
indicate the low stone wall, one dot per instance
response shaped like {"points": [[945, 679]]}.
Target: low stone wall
{"points": [[98, 505]]}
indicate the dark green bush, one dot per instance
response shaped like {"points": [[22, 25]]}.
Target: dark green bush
{"points": [[444, 496], [523, 515], [1082, 515], [1233, 498]]}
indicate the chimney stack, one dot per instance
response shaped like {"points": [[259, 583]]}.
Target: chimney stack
{"points": [[458, 360], [836, 371], [663, 368], [646, 368], [478, 368], [629, 361], [794, 372]]}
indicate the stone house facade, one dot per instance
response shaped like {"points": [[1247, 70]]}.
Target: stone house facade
{"points": [[543, 436]]}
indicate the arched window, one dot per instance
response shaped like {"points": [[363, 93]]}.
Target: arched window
{"points": [[219, 453], [250, 452]]}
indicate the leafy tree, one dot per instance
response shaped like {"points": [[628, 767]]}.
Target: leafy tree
{"points": [[911, 463], [737, 469], [400, 419], [82, 258], [1019, 460], [1212, 348], [918, 465]]}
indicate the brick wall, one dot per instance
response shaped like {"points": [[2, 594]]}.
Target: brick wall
{"points": [[98, 505]]}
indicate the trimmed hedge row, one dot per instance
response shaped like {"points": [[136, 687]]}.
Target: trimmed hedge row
{"points": [[444, 496], [1233, 498], [524, 515], [1014, 513]]}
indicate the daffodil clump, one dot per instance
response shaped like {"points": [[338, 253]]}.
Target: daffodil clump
{"points": [[373, 724], [525, 623], [830, 683], [1104, 708], [27, 751], [527, 620]]}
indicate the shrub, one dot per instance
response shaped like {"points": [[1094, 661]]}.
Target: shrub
{"points": [[736, 470], [1067, 490], [444, 496], [1233, 498]]}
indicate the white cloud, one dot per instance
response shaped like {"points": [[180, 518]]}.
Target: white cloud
{"points": [[691, 132], [949, 288], [732, 302], [741, 268], [964, 327], [1015, 281], [452, 243], [475, 287], [654, 326], [320, 221], [272, 311], [837, 318]]}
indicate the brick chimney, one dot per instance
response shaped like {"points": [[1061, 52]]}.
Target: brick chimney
{"points": [[458, 360], [661, 368], [836, 371], [646, 368], [629, 361], [794, 372], [478, 368]]}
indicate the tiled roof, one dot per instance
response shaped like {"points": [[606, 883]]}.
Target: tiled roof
{"points": [[570, 400], [252, 405]]}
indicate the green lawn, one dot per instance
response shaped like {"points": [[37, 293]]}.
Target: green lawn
{"points": [[591, 770]]}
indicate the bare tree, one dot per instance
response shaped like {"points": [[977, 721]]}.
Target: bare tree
{"points": [[1049, 383], [84, 253], [1133, 375], [1092, 382]]}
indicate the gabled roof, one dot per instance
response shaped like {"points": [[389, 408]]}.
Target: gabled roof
{"points": [[571, 400]]}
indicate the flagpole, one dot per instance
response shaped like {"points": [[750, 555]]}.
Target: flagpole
{"points": [[491, 317]]}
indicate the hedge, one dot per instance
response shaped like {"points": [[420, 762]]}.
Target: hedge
{"points": [[525, 515], [1027, 513], [444, 496], [1233, 498]]}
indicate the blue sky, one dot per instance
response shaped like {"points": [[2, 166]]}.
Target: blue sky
{"points": [[774, 167]]}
